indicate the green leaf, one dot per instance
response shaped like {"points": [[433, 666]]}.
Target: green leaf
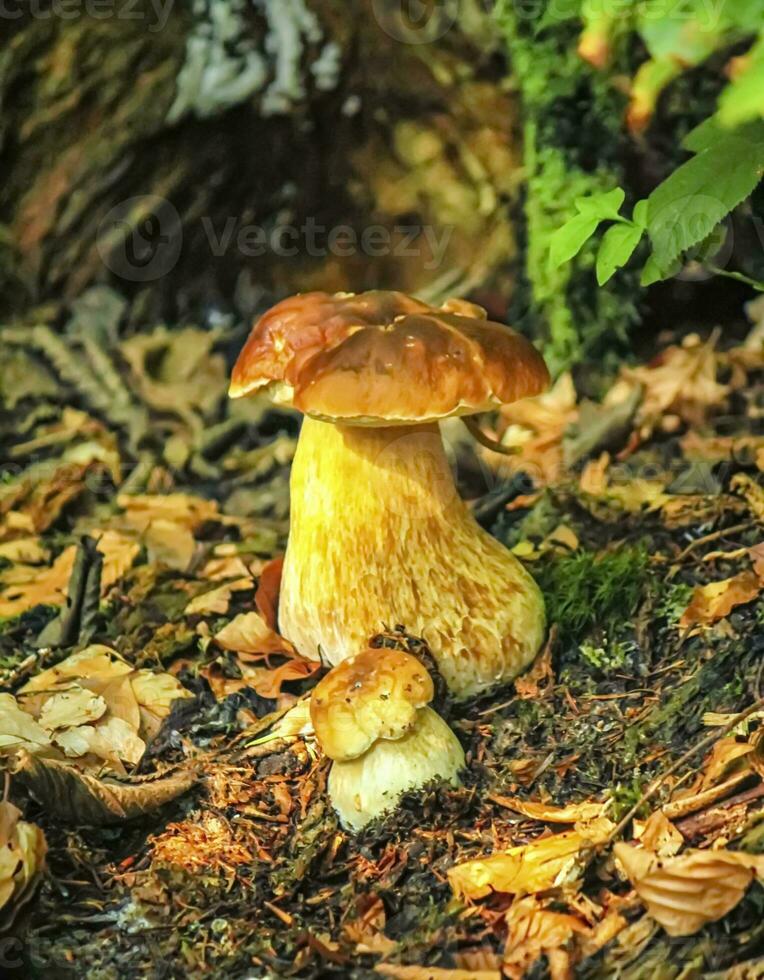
{"points": [[685, 208], [653, 273], [639, 215], [568, 240], [704, 135], [604, 207], [617, 247]]}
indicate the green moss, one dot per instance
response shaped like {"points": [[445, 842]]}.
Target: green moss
{"points": [[572, 141], [584, 590]]}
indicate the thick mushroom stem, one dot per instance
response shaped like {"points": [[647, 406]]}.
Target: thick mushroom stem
{"points": [[379, 536], [364, 788]]}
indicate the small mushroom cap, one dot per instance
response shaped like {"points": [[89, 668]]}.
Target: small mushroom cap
{"points": [[385, 358], [374, 695]]}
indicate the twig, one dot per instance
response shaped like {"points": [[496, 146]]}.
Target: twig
{"points": [[479, 436], [704, 743], [714, 536]]}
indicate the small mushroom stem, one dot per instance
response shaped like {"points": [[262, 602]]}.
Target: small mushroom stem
{"points": [[379, 536]]}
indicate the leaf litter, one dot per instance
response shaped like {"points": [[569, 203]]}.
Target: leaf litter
{"points": [[159, 739]]}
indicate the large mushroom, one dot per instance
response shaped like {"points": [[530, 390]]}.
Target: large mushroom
{"points": [[370, 716], [379, 534]]}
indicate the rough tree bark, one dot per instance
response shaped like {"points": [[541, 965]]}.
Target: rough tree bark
{"points": [[135, 145]]}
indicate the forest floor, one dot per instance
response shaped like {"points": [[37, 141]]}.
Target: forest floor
{"points": [[610, 816]]}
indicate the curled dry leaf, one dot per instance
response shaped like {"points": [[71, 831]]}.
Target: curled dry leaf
{"points": [[712, 602], [79, 798], [22, 859], [684, 893], [530, 867], [571, 813], [534, 930]]}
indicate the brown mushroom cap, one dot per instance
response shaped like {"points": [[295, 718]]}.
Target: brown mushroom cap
{"points": [[374, 695], [384, 358]]}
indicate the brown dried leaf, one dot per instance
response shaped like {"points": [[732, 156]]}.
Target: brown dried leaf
{"points": [[684, 893], [268, 588], [680, 382], [79, 798], [712, 602], [536, 426], [534, 930], [249, 634], [539, 680]]}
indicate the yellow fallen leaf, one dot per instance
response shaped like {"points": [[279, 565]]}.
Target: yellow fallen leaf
{"points": [[100, 706], [533, 931], [571, 813], [113, 741], [26, 550], [659, 835], [94, 662], [119, 553], [184, 509], [712, 602], [22, 859], [66, 709], [41, 587], [18, 730], [684, 893], [752, 492], [530, 867], [169, 543], [594, 480], [217, 600], [32, 586]]}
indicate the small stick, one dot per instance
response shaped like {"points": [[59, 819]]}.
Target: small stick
{"points": [[479, 436], [704, 743], [708, 538]]}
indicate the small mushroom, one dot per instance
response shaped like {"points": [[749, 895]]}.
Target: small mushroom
{"points": [[371, 718], [379, 534]]}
